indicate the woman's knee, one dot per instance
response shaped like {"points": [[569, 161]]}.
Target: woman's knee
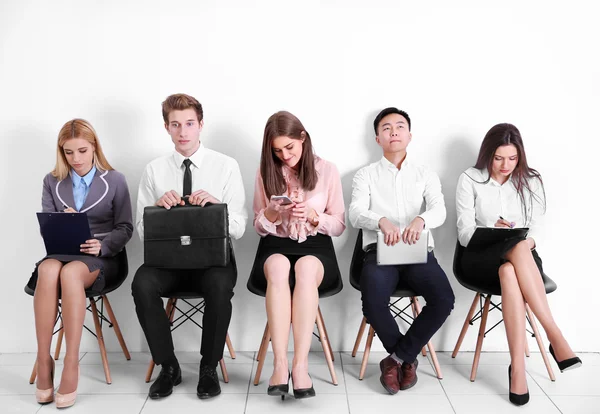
{"points": [[49, 272], [507, 274], [72, 274], [309, 270], [277, 269]]}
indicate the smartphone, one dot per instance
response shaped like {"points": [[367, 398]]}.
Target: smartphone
{"points": [[286, 199]]}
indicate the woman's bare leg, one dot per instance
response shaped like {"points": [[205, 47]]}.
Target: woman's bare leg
{"points": [[309, 275], [278, 303], [75, 277]]}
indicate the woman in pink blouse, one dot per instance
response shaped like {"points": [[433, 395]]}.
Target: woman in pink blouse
{"points": [[296, 256]]}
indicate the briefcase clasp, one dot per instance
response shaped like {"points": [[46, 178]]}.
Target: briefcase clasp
{"points": [[185, 240]]}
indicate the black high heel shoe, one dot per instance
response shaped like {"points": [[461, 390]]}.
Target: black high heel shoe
{"points": [[280, 389], [516, 399], [566, 364], [303, 392]]}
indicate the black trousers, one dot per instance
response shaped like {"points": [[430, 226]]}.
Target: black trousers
{"points": [[216, 286], [377, 283]]}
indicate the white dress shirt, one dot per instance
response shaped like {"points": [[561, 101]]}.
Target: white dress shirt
{"points": [[480, 204], [382, 190], [212, 171]]}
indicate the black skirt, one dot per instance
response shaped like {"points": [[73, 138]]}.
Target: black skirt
{"points": [[480, 266], [108, 275], [319, 246]]}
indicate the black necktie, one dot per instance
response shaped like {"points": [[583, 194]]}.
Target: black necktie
{"points": [[187, 178]]}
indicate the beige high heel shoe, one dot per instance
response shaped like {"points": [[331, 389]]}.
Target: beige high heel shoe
{"points": [[66, 400], [45, 396]]}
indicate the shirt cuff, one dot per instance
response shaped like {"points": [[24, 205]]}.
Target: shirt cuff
{"points": [[269, 226]]}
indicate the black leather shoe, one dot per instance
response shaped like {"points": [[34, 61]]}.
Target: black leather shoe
{"points": [[566, 364], [280, 389], [304, 392], [208, 383], [516, 399], [170, 376]]}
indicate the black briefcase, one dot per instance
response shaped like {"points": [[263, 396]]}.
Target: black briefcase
{"points": [[186, 237]]}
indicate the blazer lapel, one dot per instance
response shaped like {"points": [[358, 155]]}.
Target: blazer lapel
{"points": [[65, 192]]}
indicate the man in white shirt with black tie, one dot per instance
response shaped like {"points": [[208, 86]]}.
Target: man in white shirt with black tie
{"points": [[206, 176], [387, 196]]}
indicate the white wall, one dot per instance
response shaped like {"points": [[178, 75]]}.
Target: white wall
{"points": [[457, 69]]}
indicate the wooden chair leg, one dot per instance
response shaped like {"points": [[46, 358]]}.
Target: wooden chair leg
{"points": [[59, 340], [263, 341], [361, 330], [414, 304], [326, 346], [33, 373], [465, 326], [115, 325], [540, 343], [326, 335], [262, 353], [230, 347], [170, 315], [100, 340], [434, 359], [224, 370], [526, 348], [365, 360], [486, 309]]}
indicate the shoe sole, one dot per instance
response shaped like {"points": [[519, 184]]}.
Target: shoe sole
{"points": [[576, 365], [206, 396]]}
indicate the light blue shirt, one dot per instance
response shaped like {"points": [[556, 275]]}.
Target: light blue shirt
{"points": [[81, 186]]}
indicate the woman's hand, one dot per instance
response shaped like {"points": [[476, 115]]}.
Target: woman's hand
{"points": [[301, 211], [391, 232], [275, 208], [504, 223], [92, 247], [413, 231], [69, 210]]}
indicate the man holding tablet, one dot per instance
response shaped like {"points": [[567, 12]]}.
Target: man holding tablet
{"points": [[387, 197]]}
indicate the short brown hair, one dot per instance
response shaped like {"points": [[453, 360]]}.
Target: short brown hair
{"points": [[283, 123], [180, 102]]}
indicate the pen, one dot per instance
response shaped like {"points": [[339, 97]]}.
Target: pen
{"points": [[511, 224]]}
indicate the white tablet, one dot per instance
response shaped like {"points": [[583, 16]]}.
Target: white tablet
{"points": [[402, 253]]}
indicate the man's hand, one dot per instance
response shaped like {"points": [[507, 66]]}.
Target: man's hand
{"points": [[413, 231], [201, 197], [391, 233], [170, 199]]}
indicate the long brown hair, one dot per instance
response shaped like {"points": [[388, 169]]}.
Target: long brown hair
{"points": [[508, 134], [280, 124], [77, 128]]}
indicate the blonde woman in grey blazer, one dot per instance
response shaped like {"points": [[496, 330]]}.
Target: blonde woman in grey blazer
{"points": [[82, 181]]}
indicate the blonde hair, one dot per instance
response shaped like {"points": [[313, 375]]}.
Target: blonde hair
{"points": [[77, 128]]}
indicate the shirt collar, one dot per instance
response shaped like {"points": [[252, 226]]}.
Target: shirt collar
{"points": [[196, 157], [385, 163], [490, 181], [86, 178]]}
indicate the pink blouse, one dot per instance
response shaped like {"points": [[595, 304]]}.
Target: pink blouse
{"points": [[326, 199]]}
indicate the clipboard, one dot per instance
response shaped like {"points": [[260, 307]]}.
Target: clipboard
{"points": [[485, 236], [64, 233]]}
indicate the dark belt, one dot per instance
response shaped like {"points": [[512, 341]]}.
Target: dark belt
{"points": [[371, 248]]}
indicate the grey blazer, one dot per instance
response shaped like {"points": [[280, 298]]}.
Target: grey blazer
{"points": [[107, 205]]}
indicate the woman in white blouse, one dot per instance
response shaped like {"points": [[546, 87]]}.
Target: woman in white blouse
{"points": [[503, 191]]}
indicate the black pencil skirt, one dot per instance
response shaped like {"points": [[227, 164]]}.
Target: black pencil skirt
{"points": [[319, 246], [480, 266]]}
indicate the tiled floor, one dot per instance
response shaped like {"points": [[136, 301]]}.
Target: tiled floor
{"points": [[575, 391]]}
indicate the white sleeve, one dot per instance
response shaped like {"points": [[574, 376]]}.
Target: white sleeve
{"points": [[465, 209], [359, 214], [146, 197]]}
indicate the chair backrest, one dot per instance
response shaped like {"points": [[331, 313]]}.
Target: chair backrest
{"points": [[458, 253], [357, 261]]}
